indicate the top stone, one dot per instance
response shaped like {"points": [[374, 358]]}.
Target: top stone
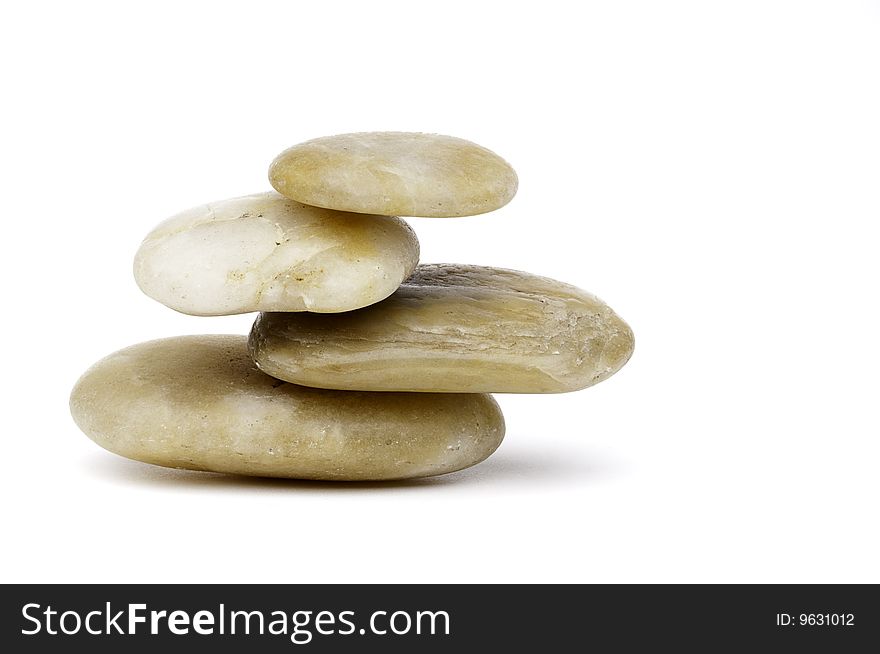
{"points": [[395, 174]]}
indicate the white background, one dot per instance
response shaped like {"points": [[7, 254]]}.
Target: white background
{"points": [[710, 169]]}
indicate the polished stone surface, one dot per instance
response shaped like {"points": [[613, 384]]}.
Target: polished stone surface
{"points": [[198, 402], [395, 174], [452, 328], [264, 252]]}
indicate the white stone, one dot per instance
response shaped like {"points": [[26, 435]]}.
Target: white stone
{"points": [[264, 252]]}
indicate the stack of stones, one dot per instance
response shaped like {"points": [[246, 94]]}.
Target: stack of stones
{"points": [[362, 364]]}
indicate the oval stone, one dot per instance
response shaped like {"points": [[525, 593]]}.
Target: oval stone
{"points": [[264, 252], [452, 329], [395, 174], [198, 402]]}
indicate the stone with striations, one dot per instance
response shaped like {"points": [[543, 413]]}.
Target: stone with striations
{"points": [[198, 402], [265, 252], [452, 329], [395, 174]]}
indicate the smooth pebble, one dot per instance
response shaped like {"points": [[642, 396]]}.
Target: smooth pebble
{"points": [[264, 252], [452, 329], [198, 402], [395, 174]]}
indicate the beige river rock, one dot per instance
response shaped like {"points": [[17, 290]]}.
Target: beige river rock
{"points": [[452, 329], [264, 252], [395, 174], [198, 402]]}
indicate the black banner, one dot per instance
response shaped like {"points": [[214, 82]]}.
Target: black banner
{"points": [[435, 618]]}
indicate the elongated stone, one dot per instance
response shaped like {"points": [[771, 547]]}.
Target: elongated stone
{"points": [[198, 402], [264, 252], [452, 329], [395, 174]]}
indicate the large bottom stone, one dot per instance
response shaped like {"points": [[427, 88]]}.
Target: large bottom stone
{"points": [[199, 402]]}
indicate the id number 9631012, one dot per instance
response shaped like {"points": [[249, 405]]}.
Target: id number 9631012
{"points": [[815, 619]]}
